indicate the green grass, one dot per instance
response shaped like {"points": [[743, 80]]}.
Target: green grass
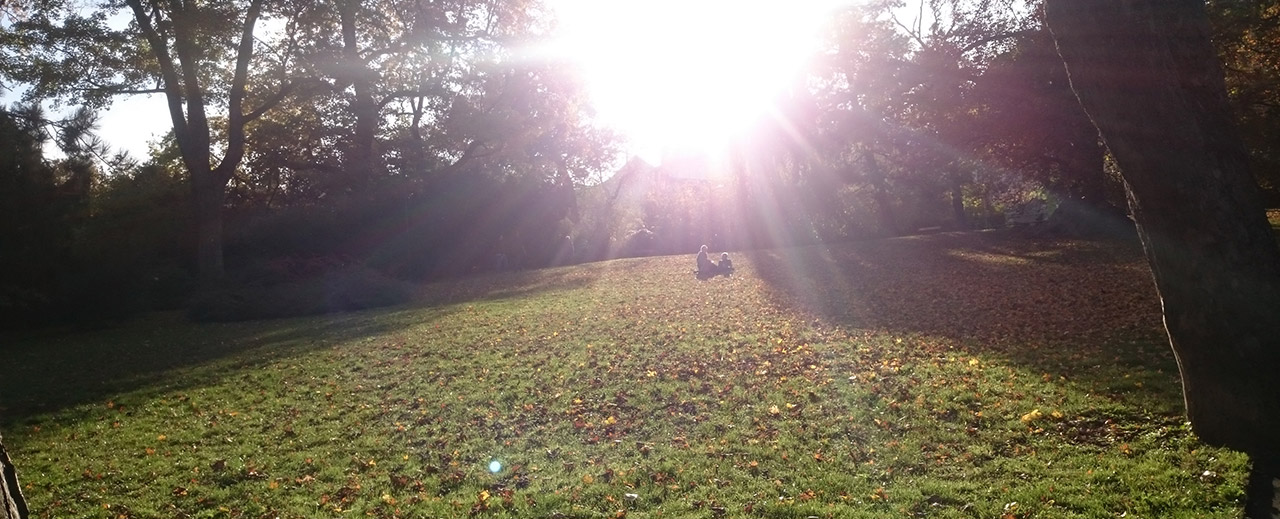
{"points": [[950, 376]]}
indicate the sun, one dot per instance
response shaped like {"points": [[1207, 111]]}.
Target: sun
{"points": [[686, 75]]}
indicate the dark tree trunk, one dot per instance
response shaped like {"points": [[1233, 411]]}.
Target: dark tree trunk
{"points": [[1146, 73], [880, 193], [12, 505], [179, 55], [1263, 490], [208, 194], [360, 157], [957, 201], [1088, 165]]}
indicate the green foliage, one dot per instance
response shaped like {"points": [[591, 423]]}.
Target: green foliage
{"points": [[126, 255], [33, 222], [78, 247], [948, 376], [413, 229], [54, 265]]}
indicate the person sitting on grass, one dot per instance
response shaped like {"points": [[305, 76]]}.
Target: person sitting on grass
{"points": [[708, 269], [705, 266]]}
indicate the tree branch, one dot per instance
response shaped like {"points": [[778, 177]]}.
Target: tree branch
{"points": [[470, 154], [288, 88], [304, 166], [994, 38], [168, 74], [399, 94], [236, 117], [123, 91]]}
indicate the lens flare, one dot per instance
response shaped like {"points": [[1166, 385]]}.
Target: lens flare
{"points": [[495, 466]]}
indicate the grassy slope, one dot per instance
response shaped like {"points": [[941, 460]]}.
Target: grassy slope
{"points": [[945, 376]]}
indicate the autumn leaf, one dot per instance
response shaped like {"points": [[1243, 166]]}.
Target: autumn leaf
{"points": [[1032, 416], [482, 502]]}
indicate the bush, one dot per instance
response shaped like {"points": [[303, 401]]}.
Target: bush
{"points": [[103, 291], [345, 290], [290, 269]]}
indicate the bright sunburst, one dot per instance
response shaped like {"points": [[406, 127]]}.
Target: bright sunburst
{"points": [[686, 74]]}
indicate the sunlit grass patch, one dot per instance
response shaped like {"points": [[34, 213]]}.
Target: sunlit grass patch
{"points": [[628, 388]]}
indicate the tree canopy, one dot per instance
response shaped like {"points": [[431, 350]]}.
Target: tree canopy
{"points": [[424, 139]]}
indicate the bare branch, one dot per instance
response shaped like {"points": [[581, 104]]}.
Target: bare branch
{"points": [[123, 91]]}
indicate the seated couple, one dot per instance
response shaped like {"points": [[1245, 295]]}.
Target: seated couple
{"points": [[708, 269]]}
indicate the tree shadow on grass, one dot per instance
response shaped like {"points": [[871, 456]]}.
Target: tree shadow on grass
{"points": [[50, 370], [511, 284], [1082, 310]]}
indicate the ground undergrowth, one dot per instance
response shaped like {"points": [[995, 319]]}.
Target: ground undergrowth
{"points": [[980, 375]]}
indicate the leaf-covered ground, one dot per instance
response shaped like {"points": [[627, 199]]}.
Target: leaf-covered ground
{"points": [[966, 375]]}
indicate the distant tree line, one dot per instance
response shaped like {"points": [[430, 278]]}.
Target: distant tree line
{"points": [[323, 153], [959, 119], [311, 143]]}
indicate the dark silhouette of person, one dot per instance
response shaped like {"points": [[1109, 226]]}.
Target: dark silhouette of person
{"points": [[708, 269], [726, 264], [705, 265]]}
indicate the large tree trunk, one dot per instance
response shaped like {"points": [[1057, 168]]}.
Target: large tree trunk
{"points": [[957, 200], [176, 48], [1147, 75], [208, 194], [360, 159], [12, 505], [1088, 166], [880, 193]]}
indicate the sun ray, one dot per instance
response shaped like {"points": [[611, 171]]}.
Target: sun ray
{"points": [[686, 75]]}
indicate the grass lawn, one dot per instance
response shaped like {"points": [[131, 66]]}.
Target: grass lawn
{"points": [[955, 375]]}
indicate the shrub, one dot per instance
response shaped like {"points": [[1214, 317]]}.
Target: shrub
{"points": [[344, 290]]}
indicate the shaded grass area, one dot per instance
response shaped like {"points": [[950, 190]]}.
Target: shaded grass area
{"points": [[1054, 306], [974, 375]]}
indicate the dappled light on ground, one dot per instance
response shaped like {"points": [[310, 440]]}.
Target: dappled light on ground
{"points": [[841, 381]]}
